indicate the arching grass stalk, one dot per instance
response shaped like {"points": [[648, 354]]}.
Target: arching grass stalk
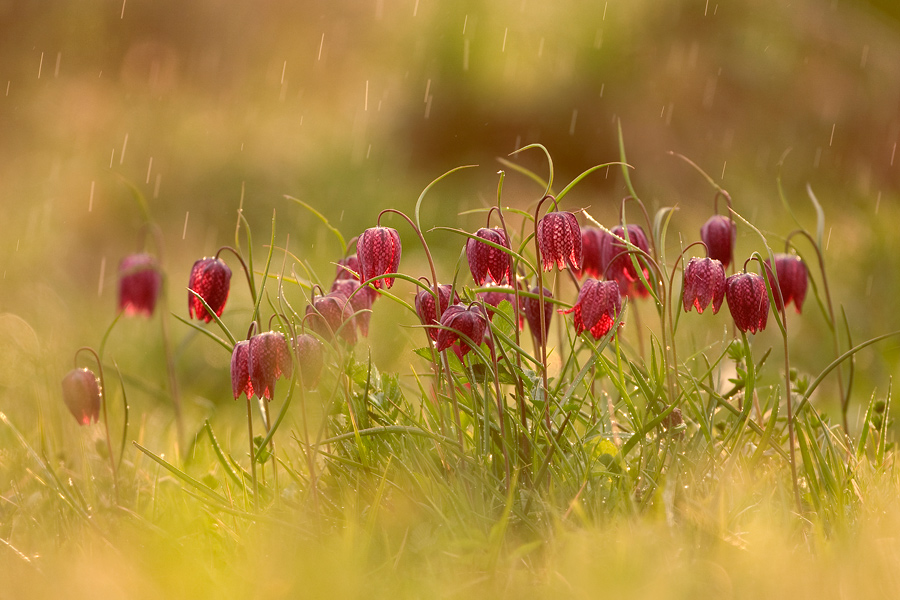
{"points": [[845, 394], [103, 397]]}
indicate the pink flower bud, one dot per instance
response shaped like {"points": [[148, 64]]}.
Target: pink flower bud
{"points": [[210, 278], [378, 251], [559, 240], [139, 283], [718, 233], [425, 306], [533, 313], [470, 322], [704, 282], [793, 279], [747, 301], [486, 261], [81, 393], [597, 307]]}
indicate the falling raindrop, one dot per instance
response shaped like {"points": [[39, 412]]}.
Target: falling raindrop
{"points": [[184, 231]]}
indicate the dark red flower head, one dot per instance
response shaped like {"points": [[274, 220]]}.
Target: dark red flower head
{"points": [[461, 320], [348, 268], [559, 240], [139, 283], [310, 358], [704, 282], [592, 263], [425, 307], [597, 308], [747, 301], [240, 370], [486, 261], [81, 393], [361, 302], [270, 359], [378, 252], [718, 233], [211, 279], [792, 280], [619, 264], [533, 313], [328, 313]]}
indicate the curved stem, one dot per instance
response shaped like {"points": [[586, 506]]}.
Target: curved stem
{"points": [[845, 395], [240, 258], [112, 461]]}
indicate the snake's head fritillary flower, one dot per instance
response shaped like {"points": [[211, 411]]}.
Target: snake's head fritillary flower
{"points": [[360, 302], [793, 280], [597, 307], [704, 282], [211, 279], [486, 261], [139, 283], [240, 370], [459, 319], [378, 251], [270, 359], [592, 263], [747, 301], [559, 240], [310, 358], [718, 233], [533, 313], [618, 259], [329, 313], [348, 268], [425, 306], [81, 393]]}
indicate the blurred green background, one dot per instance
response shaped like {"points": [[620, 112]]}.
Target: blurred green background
{"points": [[354, 106]]}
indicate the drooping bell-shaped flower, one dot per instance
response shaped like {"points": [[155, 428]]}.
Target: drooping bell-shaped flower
{"points": [[793, 280], [559, 240], [310, 358], [240, 370], [470, 322], [597, 307], [486, 261], [81, 393], [378, 251], [360, 301], [270, 359], [139, 283], [211, 279], [618, 259], [329, 313], [704, 282], [748, 301], [592, 263], [533, 313], [425, 306], [718, 233], [348, 268]]}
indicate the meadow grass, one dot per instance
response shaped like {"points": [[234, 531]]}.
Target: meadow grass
{"points": [[659, 457]]}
